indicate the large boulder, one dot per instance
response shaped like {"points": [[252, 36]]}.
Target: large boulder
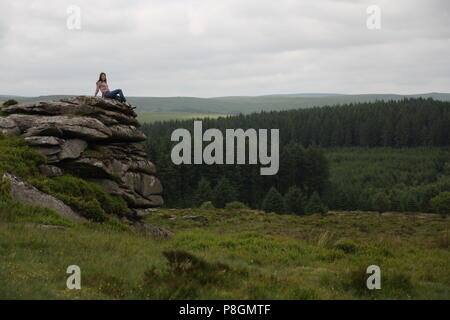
{"points": [[126, 133], [86, 128], [57, 149], [49, 170], [151, 231], [93, 138], [26, 193], [108, 111], [89, 129], [8, 126]]}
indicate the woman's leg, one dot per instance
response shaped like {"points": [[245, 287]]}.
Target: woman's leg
{"points": [[111, 95], [122, 97], [116, 94]]}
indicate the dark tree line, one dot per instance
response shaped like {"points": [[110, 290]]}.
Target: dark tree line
{"points": [[303, 132]]}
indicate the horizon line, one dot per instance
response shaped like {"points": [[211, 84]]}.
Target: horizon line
{"points": [[310, 94]]}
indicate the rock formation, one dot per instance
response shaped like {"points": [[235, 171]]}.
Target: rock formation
{"points": [[26, 193], [8, 127], [92, 138]]}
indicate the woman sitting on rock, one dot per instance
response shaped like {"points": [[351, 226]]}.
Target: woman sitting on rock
{"points": [[102, 85]]}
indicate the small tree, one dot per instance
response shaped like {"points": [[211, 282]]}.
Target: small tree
{"points": [[235, 205], [224, 192], [395, 197], [273, 201], [380, 202], [315, 205], [410, 203], [294, 201], [441, 203], [207, 205], [203, 192]]}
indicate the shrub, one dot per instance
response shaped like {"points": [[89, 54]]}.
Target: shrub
{"points": [[441, 203], [393, 283], [89, 209], [294, 201], [19, 159], [410, 203], [315, 205], [235, 205], [87, 198], [380, 202], [10, 102], [186, 276], [114, 224], [400, 283], [223, 192], [5, 187], [273, 201], [207, 205], [395, 197], [203, 192], [356, 280], [348, 246], [181, 261]]}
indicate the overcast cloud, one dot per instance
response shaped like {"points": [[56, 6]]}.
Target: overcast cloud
{"points": [[224, 47]]}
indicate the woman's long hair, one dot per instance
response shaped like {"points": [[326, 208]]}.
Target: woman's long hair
{"points": [[100, 77]]}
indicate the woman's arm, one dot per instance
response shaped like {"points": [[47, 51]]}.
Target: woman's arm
{"points": [[96, 90]]}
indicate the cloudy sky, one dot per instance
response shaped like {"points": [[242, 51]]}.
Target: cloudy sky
{"points": [[224, 47]]}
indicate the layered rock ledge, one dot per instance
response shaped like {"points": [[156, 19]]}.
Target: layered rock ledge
{"points": [[93, 138]]}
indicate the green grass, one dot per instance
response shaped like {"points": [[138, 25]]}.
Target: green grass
{"points": [[150, 117], [87, 198], [235, 254]]}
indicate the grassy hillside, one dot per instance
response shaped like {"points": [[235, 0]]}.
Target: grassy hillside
{"points": [[150, 117], [247, 104], [89, 199], [235, 254]]}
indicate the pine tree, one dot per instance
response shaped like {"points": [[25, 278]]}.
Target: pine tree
{"points": [[316, 170], [203, 192], [291, 167], [273, 201], [315, 205], [294, 201], [395, 200], [380, 202], [441, 203], [410, 203], [223, 192]]}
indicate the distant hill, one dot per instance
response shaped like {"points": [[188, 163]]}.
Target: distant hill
{"points": [[247, 104]]}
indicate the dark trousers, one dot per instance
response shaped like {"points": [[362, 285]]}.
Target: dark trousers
{"points": [[116, 94]]}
